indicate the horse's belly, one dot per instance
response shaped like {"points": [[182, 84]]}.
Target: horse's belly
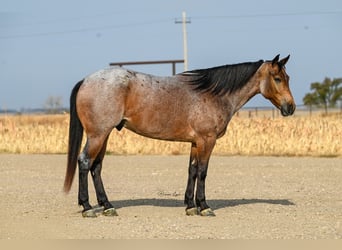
{"points": [[167, 130]]}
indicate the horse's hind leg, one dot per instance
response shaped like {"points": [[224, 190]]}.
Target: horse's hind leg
{"points": [[83, 196], [102, 199], [85, 163]]}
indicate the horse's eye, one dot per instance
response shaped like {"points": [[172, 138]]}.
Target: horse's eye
{"points": [[277, 80]]}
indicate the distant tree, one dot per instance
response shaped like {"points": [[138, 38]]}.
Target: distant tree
{"points": [[325, 94], [53, 104]]}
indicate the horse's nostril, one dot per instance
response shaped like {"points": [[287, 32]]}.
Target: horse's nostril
{"points": [[292, 108], [287, 109]]}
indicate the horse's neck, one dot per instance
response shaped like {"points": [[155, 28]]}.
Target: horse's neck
{"points": [[243, 95]]}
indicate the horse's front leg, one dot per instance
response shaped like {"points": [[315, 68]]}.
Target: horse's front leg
{"points": [[201, 202], [191, 208], [204, 152]]}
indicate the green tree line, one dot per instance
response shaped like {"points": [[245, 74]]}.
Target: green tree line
{"points": [[324, 94]]}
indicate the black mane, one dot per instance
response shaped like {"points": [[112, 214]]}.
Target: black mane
{"points": [[223, 79]]}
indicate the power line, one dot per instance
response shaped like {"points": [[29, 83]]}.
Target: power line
{"points": [[137, 24], [81, 30], [303, 13], [65, 19]]}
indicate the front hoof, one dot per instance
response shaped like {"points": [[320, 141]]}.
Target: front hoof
{"points": [[207, 212], [89, 213], [191, 211], [110, 212]]}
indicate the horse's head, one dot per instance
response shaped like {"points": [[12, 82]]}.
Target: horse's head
{"points": [[274, 85]]}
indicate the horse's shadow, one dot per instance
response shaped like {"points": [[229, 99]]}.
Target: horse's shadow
{"points": [[215, 204]]}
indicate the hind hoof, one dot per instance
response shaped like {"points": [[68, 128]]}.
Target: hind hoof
{"points": [[89, 213], [191, 211], [110, 212], [207, 212]]}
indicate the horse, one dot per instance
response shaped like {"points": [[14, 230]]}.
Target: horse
{"points": [[194, 106]]}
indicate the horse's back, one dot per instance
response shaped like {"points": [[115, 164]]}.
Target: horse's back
{"points": [[110, 76], [118, 77]]}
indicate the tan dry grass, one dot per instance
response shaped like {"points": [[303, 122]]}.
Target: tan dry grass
{"points": [[292, 136], [33, 133]]}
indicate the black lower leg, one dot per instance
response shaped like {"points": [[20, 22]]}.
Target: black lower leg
{"points": [[192, 175], [200, 192], [83, 197], [100, 191], [190, 189]]}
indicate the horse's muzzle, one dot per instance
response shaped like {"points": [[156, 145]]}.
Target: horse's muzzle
{"points": [[287, 109]]}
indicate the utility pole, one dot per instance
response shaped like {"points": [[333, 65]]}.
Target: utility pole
{"points": [[185, 39]]}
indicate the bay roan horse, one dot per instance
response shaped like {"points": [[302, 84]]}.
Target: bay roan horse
{"points": [[194, 106]]}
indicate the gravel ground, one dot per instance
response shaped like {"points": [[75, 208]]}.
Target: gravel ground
{"points": [[253, 198]]}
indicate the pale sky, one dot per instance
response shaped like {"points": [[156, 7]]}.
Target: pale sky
{"points": [[47, 46]]}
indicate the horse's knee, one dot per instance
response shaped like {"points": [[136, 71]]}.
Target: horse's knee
{"points": [[84, 162]]}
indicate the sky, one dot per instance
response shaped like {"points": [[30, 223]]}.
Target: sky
{"points": [[46, 46]]}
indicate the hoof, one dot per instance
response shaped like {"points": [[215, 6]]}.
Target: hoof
{"points": [[110, 212], [207, 212], [89, 213], [191, 211]]}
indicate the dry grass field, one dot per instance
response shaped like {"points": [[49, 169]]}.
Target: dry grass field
{"points": [[293, 136]]}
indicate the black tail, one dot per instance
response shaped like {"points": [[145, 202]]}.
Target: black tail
{"points": [[75, 139]]}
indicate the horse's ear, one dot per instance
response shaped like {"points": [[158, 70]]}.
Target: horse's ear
{"points": [[283, 61], [275, 60]]}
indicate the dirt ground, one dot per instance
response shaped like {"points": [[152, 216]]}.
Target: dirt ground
{"points": [[253, 198]]}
